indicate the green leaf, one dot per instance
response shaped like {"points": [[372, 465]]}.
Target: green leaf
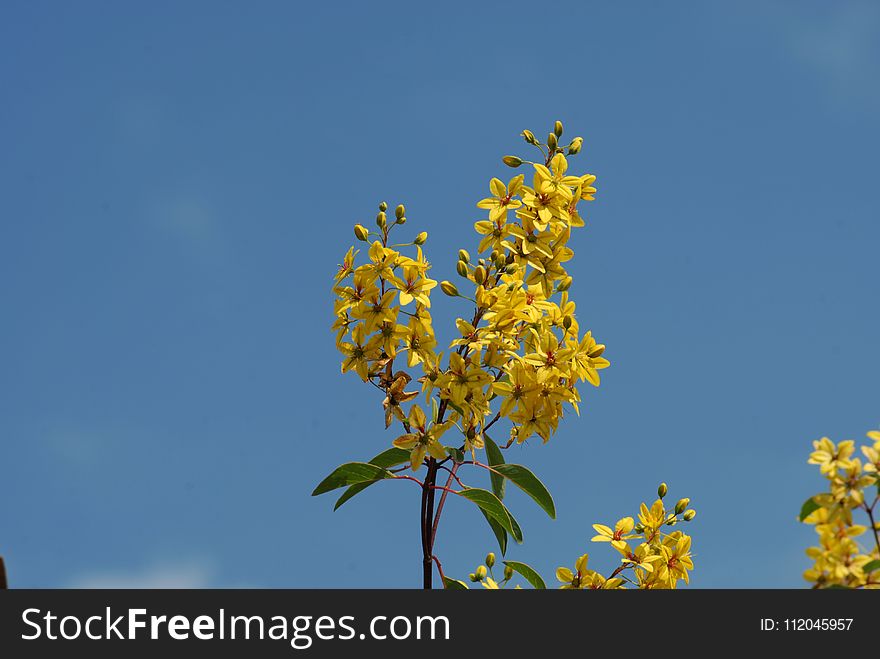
{"points": [[354, 490], [873, 565], [456, 454], [517, 532], [528, 573], [390, 458], [498, 530], [494, 508], [495, 457], [454, 584], [529, 483], [808, 508], [349, 474]]}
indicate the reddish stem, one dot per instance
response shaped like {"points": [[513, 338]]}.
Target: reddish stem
{"points": [[446, 491]]}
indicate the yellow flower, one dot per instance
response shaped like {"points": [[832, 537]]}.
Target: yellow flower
{"points": [[652, 518], [422, 440], [829, 457], [418, 343], [358, 354], [502, 199], [413, 285], [872, 453], [463, 379], [519, 383], [376, 310], [396, 396], [494, 234], [532, 419], [347, 265], [580, 578], [642, 557], [588, 360], [382, 262], [678, 560], [490, 583], [618, 536], [547, 354], [389, 337]]}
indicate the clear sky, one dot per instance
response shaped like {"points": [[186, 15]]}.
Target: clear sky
{"points": [[179, 181]]}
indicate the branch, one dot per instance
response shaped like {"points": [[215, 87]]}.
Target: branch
{"points": [[452, 473], [446, 491], [870, 511], [440, 570], [492, 422]]}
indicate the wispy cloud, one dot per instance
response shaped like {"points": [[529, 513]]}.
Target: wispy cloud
{"points": [[193, 224], [841, 43], [193, 574]]}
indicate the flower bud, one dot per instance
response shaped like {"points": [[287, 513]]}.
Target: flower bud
{"points": [[383, 207], [480, 274], [512, 161], [449, 288], [361, 232], [565, 284], [566, 322], [662, 490], [421, 238], [557, 129], [639, 528], [511, 268], [481, 573], [464, 256], [401, 220], [461, 268], [552, 142], [508, 572], [490, 559], [529, 137], [681, 505], [381, 220], [400, 211], [575, 146], [473, 577], [689, 515]]}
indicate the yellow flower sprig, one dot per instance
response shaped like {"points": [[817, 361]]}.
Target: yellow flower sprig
{"points": [[520, 356], [652, 557], [840, 559], [522, 345]]}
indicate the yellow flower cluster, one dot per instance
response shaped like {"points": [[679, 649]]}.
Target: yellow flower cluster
{"points": [[522, 346], [840, 559], [652, 558]]}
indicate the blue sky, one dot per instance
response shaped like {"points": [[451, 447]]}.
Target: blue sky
{"points": [[180, 181]]}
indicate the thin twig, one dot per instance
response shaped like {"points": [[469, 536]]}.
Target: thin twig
{"points": [[440, 570], [870, 511], [492, 422], [452, 473], [409, 478], [446, 491]]}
